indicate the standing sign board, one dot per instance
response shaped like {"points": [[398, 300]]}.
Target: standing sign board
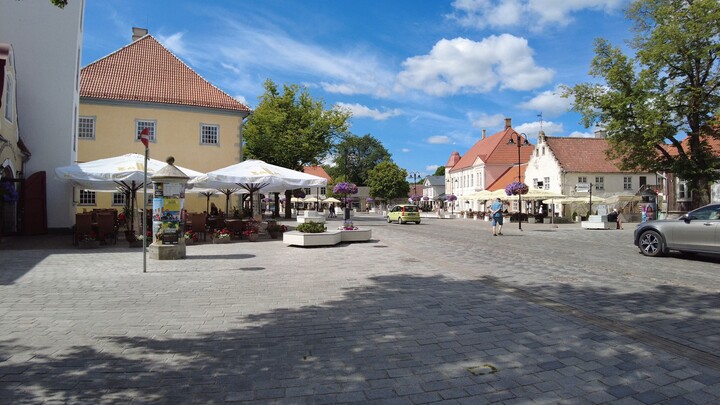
{"points": [[582, 187]]}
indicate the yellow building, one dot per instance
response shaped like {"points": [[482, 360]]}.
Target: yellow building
{"points": [[144, 85]]}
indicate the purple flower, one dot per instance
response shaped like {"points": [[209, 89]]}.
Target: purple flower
{"points": [[452, 197], [8, 192], [345, 188], [516, 188]]}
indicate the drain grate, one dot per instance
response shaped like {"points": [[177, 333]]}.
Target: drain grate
{"points": [[482, 370]]}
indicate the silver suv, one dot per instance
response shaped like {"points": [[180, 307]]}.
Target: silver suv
{"points": [[697, 231]]}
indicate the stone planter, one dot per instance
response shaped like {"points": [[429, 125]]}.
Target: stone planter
{"points": [[221, 240], [253, 237], [274, 234], [135, 244], [189, 241]]}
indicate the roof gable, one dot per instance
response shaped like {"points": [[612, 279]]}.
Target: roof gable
{"points": [[506, 178], [317, 171], [452, 160], [495, 150], [146, 71]]}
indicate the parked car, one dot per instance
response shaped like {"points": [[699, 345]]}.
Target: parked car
{"points": [[404, 213], [698, 231]]}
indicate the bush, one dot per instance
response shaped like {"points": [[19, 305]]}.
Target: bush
{"points": [[311, 227]]}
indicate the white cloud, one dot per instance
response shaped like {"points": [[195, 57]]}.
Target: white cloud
{"points": [[439, 139], [483, 14], [359, 111], [550, 103], [461, 65], [431, 168], [405, 150], [242, 99], [348, 72], [175, 44], [578, 134], [485, 121], [531, 129]]}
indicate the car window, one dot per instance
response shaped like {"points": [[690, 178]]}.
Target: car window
{"points": [[705, 213], [411, 208]]}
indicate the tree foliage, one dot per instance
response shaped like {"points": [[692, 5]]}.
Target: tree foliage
{"points": [[355, 156], [387, 181], [670, 89], [440, 171], [292, 129]]}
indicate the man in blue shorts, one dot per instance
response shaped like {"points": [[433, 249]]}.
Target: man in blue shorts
{"points": [[497, 217]]}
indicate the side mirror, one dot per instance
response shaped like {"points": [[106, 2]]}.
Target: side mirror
{"points": [[686, 218]]}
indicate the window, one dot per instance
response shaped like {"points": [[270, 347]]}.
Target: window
{"points": [[582, 179], [306, 191], [87, 197], [535, 183], [546, 183], [118, 199], [323, 191], [86, 127], [8, 99], [142, 124], [599, 183], [627, 183], [543, 151], [209, 134], [683, 192], [706, 213]]}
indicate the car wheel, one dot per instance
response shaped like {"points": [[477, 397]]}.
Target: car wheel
{"points": [[389, 220], [400, 221], [418, 222], [651, 244]]}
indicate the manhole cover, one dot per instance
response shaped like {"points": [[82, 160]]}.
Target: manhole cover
{"points": [[482, 370]]}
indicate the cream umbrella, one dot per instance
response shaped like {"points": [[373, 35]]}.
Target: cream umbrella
{"points": [[331, 200], [570, 200]]}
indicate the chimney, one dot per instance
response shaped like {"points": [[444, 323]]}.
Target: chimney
{"points": [[508, 123], [138, 33], [600, 134], [484, 133]]}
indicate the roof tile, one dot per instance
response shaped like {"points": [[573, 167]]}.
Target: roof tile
{"points": [[495, 150], [585, 155], [147, 71]]}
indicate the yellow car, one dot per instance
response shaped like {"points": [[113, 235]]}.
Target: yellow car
{"points": [[404, 213]]}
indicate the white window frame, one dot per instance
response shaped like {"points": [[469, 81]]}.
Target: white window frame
{"points": [[599, 183], [683, 194], [206, 136], [582, 179], [627, 182], [118, 199], [87, 126], [546, 183], [87, 198], [141, 124]]}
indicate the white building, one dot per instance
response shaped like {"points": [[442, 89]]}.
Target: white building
{"points": [[47, 43], [558, 164]]}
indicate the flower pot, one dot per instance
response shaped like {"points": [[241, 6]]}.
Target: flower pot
{"points": [[189, 241], [135, 244], [89, 244], [253, 237], [274, 234], [221, 240]]}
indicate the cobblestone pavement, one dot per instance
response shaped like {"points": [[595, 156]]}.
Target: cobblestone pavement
{"points": [[437, 312]]}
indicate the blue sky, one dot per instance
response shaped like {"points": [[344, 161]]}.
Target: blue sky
{"points": [[424, 77]]}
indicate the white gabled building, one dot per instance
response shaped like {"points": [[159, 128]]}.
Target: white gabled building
{"points": [[558, 164]]}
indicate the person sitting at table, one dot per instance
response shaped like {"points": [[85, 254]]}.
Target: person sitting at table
{"points": [[213, 209]]}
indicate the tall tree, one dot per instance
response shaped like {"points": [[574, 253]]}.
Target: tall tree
{"points": [[387, 181], [670, 88], [292, 129], [355, 156], [440, 171]]}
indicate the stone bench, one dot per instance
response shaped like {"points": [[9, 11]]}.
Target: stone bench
{"points": [[327, 238], [313, 216]]}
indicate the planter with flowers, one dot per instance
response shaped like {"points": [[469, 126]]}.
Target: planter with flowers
{"points": [[275, 230], [191, 237], [8, 195], [221, 236], [137, 240], [251, 231], [516, 188]]}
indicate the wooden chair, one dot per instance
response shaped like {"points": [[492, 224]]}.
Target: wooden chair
{"points": [[106, 227], [83, 226], [198, 223]]}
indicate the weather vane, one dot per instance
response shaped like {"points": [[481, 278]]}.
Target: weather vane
{"points": [[540, 115]]}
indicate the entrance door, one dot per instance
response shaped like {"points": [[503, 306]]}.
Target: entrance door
{"points": [[34, 205], [643, 181]]}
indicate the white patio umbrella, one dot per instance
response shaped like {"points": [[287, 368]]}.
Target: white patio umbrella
{"points": [[255, 175], [123, 173], [331, 200]]}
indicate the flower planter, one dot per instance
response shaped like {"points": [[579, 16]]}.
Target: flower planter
{"points": [[189, 241], [135, 244], [274, 234], [253, 237], [221, 240]]}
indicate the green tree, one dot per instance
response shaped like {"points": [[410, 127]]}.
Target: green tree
{"points": [[292, 129], [670, 87], [440, 171], [387, 181], [355, 156]]}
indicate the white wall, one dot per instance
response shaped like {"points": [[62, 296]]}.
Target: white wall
{"points": [[47, 41]]}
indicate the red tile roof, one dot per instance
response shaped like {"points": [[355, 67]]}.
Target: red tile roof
{"points": [[495, 150], [712, 142], [508, 177], [586, 155], [454, 158], [146, 71], [317, 171]]}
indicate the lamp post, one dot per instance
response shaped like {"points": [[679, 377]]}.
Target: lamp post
{"points": [[520, 142], [415, 175]]}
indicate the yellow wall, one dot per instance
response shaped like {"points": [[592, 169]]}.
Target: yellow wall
{"points": [[177, 132]]}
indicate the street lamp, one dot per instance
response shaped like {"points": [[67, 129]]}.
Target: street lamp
{"points": [[521, 141], [415, 175]]}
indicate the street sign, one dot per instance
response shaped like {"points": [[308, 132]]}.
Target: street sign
{"points": [[582, 187]]}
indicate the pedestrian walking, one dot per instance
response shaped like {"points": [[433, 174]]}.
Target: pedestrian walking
{"points": [[497, 217]]}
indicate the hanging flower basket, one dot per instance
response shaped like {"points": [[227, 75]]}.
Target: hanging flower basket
{"points": [[516, 188], [452, 197], [345, 188]]}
